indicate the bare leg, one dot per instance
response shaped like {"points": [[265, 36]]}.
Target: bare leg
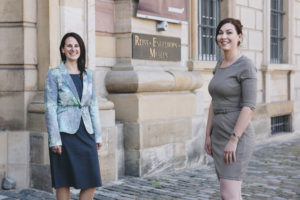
{"points": [[87, 194], [230, 189], [63, 193]]}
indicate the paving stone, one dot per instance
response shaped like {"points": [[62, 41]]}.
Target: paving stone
{"points": [[273, 173], [278, 198], [3, 197]]}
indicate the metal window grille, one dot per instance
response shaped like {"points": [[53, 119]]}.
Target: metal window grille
{"points": [[281, 124], [208, 19], [276, 31]]}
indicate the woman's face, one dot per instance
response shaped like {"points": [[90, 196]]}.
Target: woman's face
{"points": [[228, 38], [71, 49]]}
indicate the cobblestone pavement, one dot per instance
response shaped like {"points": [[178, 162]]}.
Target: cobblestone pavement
{"points": [[273, 173]]}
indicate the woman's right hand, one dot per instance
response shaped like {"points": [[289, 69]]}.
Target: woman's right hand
{"points": [[99, 145], [56, 149], [208, 145]]}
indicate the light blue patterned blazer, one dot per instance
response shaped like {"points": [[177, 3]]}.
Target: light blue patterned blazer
{"points": [[63, 108]]}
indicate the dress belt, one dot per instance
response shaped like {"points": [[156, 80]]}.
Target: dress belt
{"points": [[225, 110]]}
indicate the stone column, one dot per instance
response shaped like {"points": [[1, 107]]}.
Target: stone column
{"points": [[291, 84], [18, 83], [228, 9], [112, 152], [18, 60], [48, 39], [193, 11]]}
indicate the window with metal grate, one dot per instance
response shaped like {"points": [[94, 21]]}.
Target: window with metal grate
{"points": [[276, 31], [208, 19], [280, 124]]}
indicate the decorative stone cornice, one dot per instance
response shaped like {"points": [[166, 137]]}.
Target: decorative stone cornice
{"points": [[185, 81], [152, 81], [201, 66], [279, 67]]}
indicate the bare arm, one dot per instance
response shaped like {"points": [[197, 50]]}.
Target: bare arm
{"points": [[208, 130], [209, 120], [243, 120], [239, 128]]}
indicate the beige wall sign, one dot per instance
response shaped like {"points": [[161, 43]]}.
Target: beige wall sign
{"points": [[175, 11], [153, 47]]}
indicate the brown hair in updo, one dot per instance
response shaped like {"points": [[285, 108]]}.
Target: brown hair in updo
{"points": [[235, 22]]}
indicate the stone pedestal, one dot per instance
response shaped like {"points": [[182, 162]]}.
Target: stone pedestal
{"points": [[39, 161], [158, 113], [15, 157]]}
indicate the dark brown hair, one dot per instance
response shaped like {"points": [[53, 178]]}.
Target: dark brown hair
{"points": [[235, 22], [81, 59]]}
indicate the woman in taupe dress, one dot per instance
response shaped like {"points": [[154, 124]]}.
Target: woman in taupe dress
{"points": [[230, 136]]}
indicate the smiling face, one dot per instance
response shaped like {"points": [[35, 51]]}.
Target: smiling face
{"points": [[71, 49], [227, 38]]}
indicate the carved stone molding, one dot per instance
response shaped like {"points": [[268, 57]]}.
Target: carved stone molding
{"points": [[151, 81]]}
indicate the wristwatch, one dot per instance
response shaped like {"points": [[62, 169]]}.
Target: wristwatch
{"points": [[235, 135]]}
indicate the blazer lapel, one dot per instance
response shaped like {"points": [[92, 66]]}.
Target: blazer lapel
{"points": [[69, 81], [85, 87]]}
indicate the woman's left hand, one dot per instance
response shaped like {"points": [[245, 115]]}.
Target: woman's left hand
{"points": [[229, 151], [98, 146]]}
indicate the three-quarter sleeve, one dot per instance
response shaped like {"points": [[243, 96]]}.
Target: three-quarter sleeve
{"points": [[248, 80]]}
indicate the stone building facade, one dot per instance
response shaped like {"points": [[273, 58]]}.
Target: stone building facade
{"points": [[153, 112]]}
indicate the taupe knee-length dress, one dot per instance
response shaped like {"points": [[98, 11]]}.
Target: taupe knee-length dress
{"points": [[232, 88]]}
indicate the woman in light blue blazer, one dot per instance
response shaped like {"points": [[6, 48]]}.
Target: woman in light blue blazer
{"points": [[73, 123]]}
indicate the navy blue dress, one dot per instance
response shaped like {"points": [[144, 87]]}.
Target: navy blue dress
{"points": [[78, 165]]}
